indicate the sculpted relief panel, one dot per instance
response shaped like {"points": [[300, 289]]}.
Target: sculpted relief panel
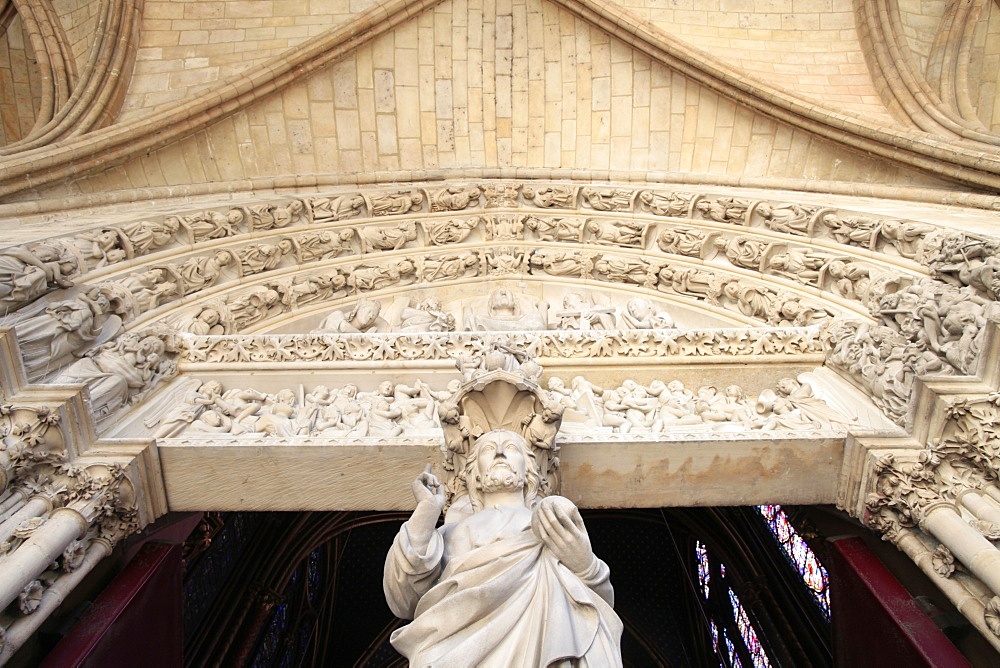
{"points": [[396, 411], [678, 244]]}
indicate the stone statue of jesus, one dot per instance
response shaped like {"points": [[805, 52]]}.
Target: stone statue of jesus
{"points": [[514, 583]]}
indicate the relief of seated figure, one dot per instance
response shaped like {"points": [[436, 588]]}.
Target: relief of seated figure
{"points": [[505, 311]]}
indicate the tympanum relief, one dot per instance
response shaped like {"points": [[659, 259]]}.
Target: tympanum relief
{"points": [[584, 409]]}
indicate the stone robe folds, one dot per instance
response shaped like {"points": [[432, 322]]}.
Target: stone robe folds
{"points": [[489, 593]]}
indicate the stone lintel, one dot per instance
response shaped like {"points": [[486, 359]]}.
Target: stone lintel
{"points": [[637, 474]]}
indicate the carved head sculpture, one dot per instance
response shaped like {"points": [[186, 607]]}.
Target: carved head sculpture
{"points": [[501, 460], [640, 308], [364, 314], [502, 303]]}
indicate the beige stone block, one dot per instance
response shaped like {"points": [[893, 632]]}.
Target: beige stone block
{"points": [[300, 136], [659, 149], [445, 135], [782, 136], [259, 34], [172, 166], [147, 83], [385, 125], [324, 123], [187, 78], [408, 111], [169, 9], [150, 100], [621, 78], [385, 94], [278, 20], [383, 52], [218, 36], [344, 86], [621, 116], [296, 102], [837, 21], [442, 98], [366, 110], [640, 127], [600, 127], [204, 10], [153, 39], [349, 161], [620, 157], [157, 24], [601, 94], [601, 60], [721, 145], [659, 109], [369, 151], [552, 116], [707, 115], [428, 127], [600, 156], [348, 129], [410, 154]]}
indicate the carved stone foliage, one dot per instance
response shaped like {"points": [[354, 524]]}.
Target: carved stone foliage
{"points": [[29, 437], [578, 344], [904, 491], [972, 433]]}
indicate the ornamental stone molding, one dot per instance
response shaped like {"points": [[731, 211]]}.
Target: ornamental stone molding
{"points": [[640, 302]]}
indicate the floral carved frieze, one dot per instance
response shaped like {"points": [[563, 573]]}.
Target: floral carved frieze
{"points": [[573, 344]]}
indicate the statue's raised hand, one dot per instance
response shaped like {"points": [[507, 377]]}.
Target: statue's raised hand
{"points": [[429, 493], [557, 523], [428, 490]]}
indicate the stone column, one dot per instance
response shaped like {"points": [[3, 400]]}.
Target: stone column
{"points": [[979, 505], [945, 522], [22, 628], [37, 506], [46, 543]]}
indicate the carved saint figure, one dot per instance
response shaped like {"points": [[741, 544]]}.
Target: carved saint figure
{"points": [[364, 317], [514, 583], [450, 231], [27, 273]]}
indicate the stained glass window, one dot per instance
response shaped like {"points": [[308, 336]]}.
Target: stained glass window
{"points": [[701, 553], [749, 634], [800, 554], [724, 638], [734, 658]]}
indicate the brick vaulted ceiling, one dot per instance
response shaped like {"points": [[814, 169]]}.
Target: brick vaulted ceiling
{"points": [[244, 94]]}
